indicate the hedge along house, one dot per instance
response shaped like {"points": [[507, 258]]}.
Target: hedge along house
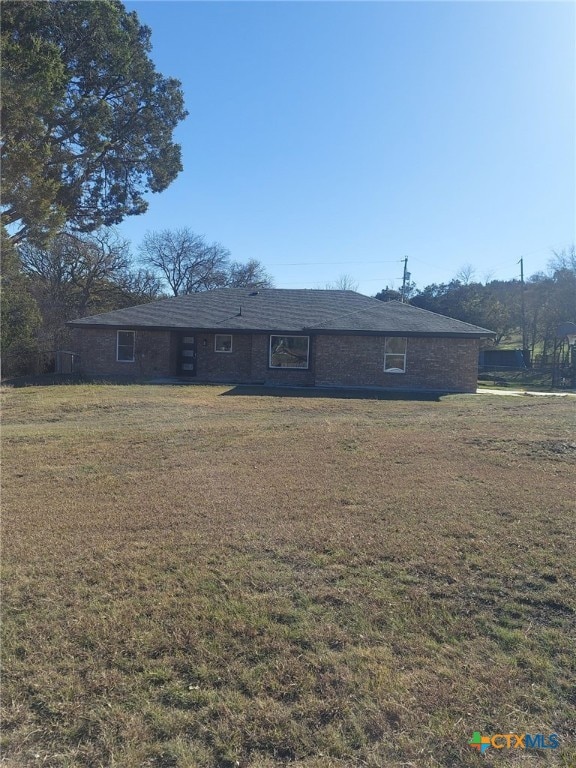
{"points": [[285, 337]]}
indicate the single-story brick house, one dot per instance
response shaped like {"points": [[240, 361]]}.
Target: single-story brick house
{"points": [[286, 337]]}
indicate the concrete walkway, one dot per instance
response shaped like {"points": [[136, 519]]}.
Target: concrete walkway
{"points": [[524, 393]]}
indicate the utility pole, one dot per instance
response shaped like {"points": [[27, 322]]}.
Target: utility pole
{"points": [[523, 305], [405, 278]]}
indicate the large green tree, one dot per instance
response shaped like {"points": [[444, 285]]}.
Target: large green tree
{"points": [[494, 305], [20, 317], [551, 301], [87, 122]]}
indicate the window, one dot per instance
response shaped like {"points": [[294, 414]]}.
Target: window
{"points": [[395, 355], [289, 351], [223, 342], [125, 346]]}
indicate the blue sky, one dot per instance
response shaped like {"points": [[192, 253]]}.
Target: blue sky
{"points": [[331, 138]]}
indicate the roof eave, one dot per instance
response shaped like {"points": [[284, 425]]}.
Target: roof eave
{"points": [[316, 331]]}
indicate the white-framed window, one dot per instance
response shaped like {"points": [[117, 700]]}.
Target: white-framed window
{"points": [[223, 342], [395, 354], [289, 351], [125, 342]]}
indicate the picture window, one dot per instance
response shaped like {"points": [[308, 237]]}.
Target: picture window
{"points": [[289, 352]]}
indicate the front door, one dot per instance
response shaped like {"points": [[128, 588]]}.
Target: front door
{"points": [[187, 356]]}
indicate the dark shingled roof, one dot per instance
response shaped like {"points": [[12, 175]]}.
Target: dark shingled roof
{"points": [[272, 309]]}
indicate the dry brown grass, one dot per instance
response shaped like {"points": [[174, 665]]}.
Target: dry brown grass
{"points": [[199, 580]]}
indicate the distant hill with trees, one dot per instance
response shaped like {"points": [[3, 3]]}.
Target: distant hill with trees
{"points": [[532, 310]]}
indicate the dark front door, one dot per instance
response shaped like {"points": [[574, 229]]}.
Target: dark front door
{"points": [[187, 355]]}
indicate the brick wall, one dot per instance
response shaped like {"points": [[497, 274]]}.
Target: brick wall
{"points": [[246, 364], [431, 363], [346, 360], [154, 353], [233, 367]]}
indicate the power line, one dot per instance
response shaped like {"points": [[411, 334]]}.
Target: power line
{"points": [[332, 263], [316, 282]]}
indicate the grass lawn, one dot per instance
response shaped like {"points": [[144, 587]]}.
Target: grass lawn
{"points": [[201, 578]]}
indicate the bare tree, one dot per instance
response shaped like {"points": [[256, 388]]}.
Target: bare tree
{"points": [[188, 264], [73, 276], [564, 260], [138, 285], [184, 260], [466, 274], [76, 268], [343, 283], [173, 254], [249, 275], [488, 276], [210, 270]]}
